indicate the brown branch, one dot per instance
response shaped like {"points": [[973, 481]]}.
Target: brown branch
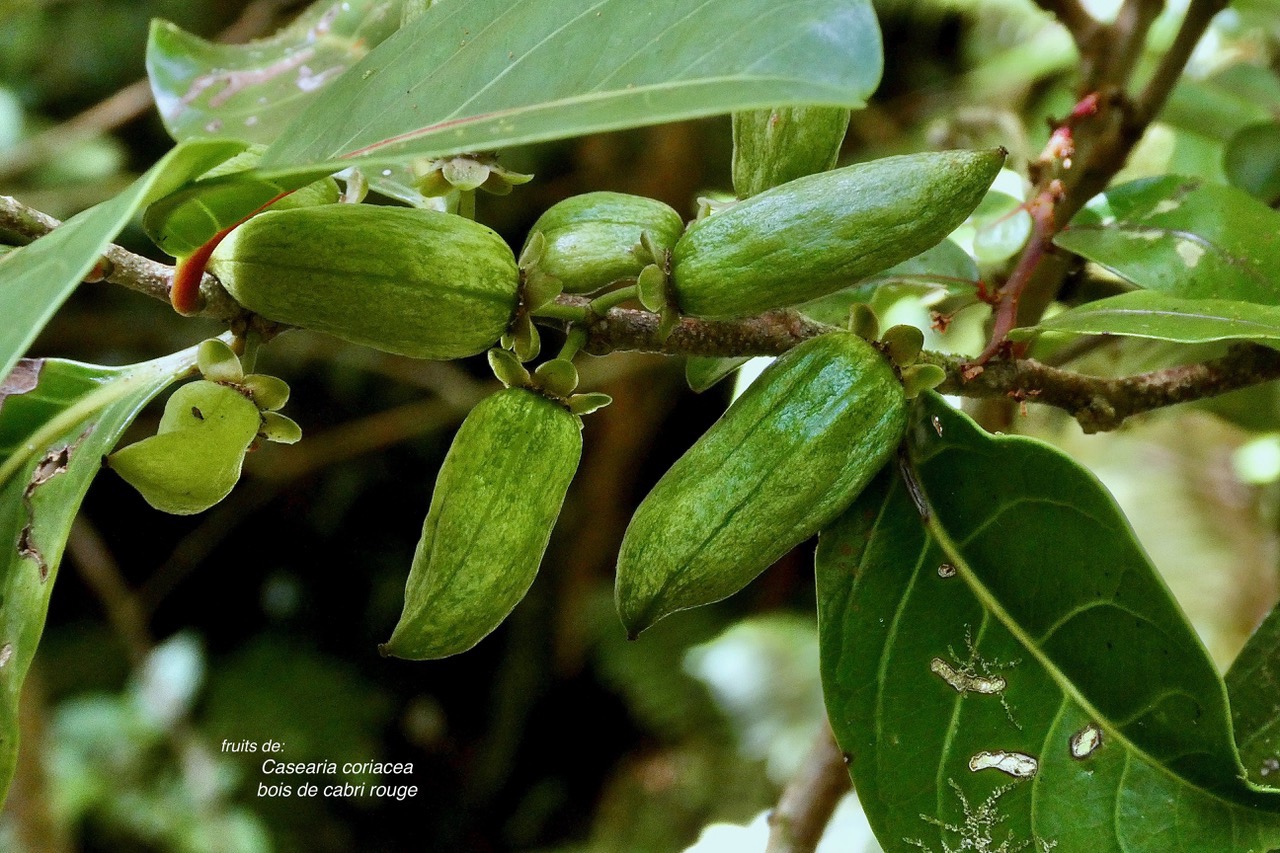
{"points": [[1099, 403], [119, 266], [1159, 87], [797, 824]]}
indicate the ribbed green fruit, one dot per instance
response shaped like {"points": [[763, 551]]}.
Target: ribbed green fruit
{"points": [[591, 239], [194, 459], [403, 280], [787, 457], [819, 234], [496, 499], [772, 147]]}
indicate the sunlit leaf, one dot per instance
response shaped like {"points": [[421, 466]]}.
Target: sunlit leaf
{"points": [[1015, 670], [252, 91], [485, 74], [1151, 314], [53, 436], [1182, 236], [36, 279]]}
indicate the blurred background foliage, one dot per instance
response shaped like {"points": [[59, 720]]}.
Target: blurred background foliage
{"points": [[259, 619]]}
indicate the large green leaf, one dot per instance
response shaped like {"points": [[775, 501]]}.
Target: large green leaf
{"points": [[57, 420], [484, 74], [1151, 314], [36, 279], [1182, 236], [1253, 682], [252, 91], [1014, 672]]}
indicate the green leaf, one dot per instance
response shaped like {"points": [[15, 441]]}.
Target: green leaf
{"points": [[36, 279], [1150, 314], [487, 74], [1182, 236], [252, 91], [1253, 682], [55, 428], [1018, 627]]}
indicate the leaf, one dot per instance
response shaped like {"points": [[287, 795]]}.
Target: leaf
{"points": [[1182, 236], [253, 91], [473, 75], [488, 74], [1017, 673], [1151, 314], [1253, 682], [52, 439], [36, 279]]}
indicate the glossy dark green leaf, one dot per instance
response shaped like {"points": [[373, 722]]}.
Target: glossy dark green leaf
{"points": [[1151, 314], [1253, 682], [484, 74], [54, 430], [1015, 672], [252, 91], [1183, 236], [36, 279]]}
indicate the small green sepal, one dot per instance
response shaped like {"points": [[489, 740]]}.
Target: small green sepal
{"points": [[533, 250], [585, 404], [268, 392], [903, 344], [558, 377], [218, 363], [921, 377], [525, 342], [540, 289], [508, 369], [652, 284], [863, 322], [280, 429]]}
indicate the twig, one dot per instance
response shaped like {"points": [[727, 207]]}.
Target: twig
{"points": [[797, 824], [120, 266], [1073, 15], [1158, 88]]}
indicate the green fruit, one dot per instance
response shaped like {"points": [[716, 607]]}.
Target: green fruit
{"points": [[787, 457], [194, 459], [772, 147], [592, 239], [403, 280], [819, 234], [496, 499]]}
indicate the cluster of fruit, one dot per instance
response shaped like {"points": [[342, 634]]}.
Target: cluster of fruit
{"points": [[782, 462]]}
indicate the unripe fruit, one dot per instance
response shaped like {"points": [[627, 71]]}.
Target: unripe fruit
{"points": [[194, 459], [819, 234], [772, 147], [787, 457], [592, 239], [403, 280], [496, 499]]}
